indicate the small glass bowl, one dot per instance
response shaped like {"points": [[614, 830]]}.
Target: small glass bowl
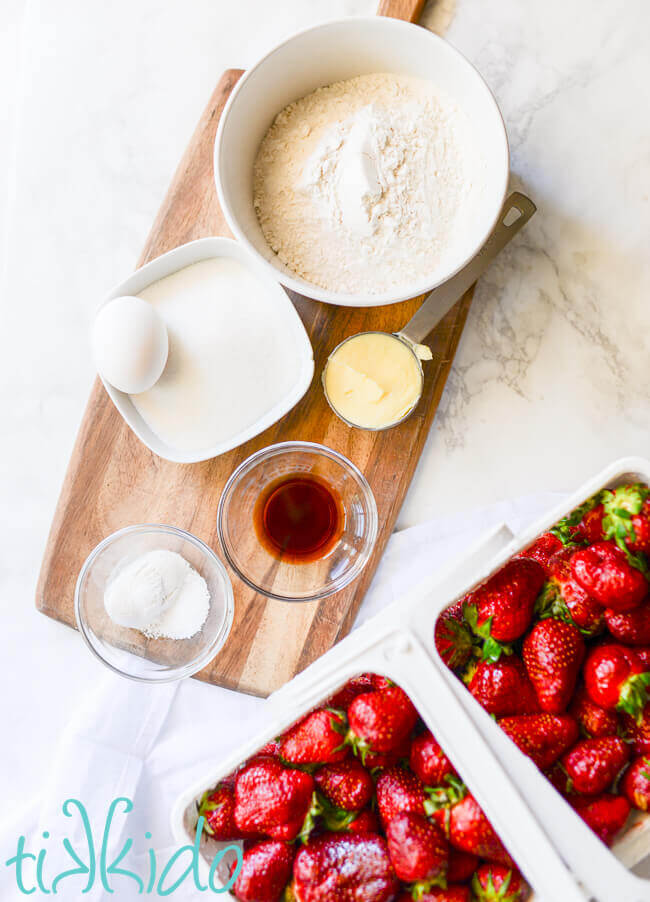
{"points": [[286, 580], [128, 651]]}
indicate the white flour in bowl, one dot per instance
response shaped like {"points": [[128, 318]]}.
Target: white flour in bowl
{"points": [[364, 185]]}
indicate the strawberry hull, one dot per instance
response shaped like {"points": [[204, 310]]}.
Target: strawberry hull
{"points": [[525, 811]]}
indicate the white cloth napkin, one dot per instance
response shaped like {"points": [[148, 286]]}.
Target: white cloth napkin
{"points": [[150, 743]]}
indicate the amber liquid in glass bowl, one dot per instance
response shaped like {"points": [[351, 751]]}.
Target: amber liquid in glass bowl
{"points": [[297, 521], [299, 518]]}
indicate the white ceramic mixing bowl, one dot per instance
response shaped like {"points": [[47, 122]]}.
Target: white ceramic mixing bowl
{"points": [[329, 53]]}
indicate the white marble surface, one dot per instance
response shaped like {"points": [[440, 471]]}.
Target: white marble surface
{"points": [[550, 381]]}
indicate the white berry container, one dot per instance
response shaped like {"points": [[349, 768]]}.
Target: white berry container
{"points": [[284, 311], [335, 51], [558, 854]]}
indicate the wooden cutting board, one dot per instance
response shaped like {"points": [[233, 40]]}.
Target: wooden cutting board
{"points": [[113, 480]]}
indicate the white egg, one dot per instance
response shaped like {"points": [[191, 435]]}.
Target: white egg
{"points": [[130, 344]]}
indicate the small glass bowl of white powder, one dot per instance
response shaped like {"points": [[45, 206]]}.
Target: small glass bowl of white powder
{"points": [[154, 603]]}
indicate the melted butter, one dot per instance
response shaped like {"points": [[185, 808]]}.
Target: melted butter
{"points": [[373, 380]]}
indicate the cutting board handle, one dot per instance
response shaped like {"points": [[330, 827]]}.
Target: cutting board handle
{"points": [[409, 10]]}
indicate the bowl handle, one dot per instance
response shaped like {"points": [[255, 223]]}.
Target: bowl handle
{"points": [[516, 212]]}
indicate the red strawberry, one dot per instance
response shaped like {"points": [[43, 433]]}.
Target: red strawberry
{"points": [[344, 868], [590, 528], [594, 720], [565, 599], [452, 637], [418, 850], [461, 866], [498, 883], [398, 790], [627, 517], [218, 808], [365, 822], [635, 784], [636, 730], [272, 799], [542, 550], [606, 814], [558, 779], [380, 682], [265, 872], [502, 687], [347, 693], [615, 678], [470, 831], [592, 765], [450, 894], [553, 654], [376, 760], [380, 721], [644, 656], [631, 627], [429, 761], [543, 737], [260, 759], [270, 750], [603, 571], [502, 608], [348, 785], [319, 738]]}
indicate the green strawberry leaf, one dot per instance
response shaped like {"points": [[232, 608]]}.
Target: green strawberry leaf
{"points": [[553, 606], [360, 747], [335, 819], [626, 500], [546, 599], [490, 891], [309, 823], [620, 506], [470, 615], [468, 674], [645, 773], [307, 768], [339, 720], [622, 532], [339, 724], [422, 887], [564, 529], [492, 650], [205, 806], [444, 796], [634, 695]]}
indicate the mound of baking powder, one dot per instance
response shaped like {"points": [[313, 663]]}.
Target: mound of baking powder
{"points": [[160, 594], [361, 185]]}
